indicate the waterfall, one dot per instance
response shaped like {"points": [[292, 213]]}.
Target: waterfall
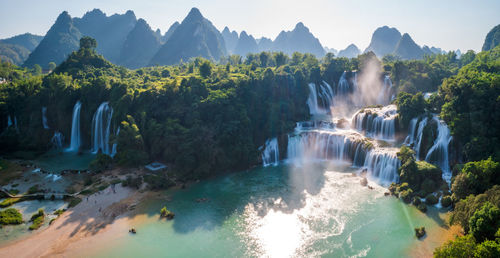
{"points": [[383, 164], [324, 93], [75, 128], [44, 118], [115, 145], [384, 96], [57, 140], [101, 123], [270, 155], [415, 135], [9, 121], [379, 123], [325, 145], [343, 86], [438, 153]]}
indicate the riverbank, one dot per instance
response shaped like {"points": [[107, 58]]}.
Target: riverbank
{"points": [[89, 218]]}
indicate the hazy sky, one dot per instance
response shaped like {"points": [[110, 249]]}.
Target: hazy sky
{"points": [[449, 24]]}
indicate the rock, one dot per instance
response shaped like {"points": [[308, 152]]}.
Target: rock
{"points": [[370, 187], [446, 201], [364, 182], [132, 230], [420, 232], [387, 194]]}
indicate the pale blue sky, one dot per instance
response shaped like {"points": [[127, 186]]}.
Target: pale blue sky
{"points": [[449, 24]]}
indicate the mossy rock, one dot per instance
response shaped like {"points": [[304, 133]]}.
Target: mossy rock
{"points": [[446, 201], [420, 232], [416, 200], [431, 199], [422, 207], [406, 195]]}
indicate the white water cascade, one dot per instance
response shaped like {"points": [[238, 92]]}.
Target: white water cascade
{"points": [[101, 127], [9, 121], [44, 118], [271, 154], [322, 92], [386, 95], [379, 123], [75, 140], [57, 140], [343, 86], [115, 145], [320, 141], [334, 141], [438, 154]]}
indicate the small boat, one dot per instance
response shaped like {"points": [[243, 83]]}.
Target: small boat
{"points": [[132, 230]]}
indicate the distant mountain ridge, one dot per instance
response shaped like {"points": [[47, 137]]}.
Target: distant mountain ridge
{"points": [[126, 40], [195, 36]]}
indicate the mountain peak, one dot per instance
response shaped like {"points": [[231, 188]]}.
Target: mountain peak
{"points": [[384, 40], [226, 30], [63, 17], [194, 14], [299, 25], [94, 12]]}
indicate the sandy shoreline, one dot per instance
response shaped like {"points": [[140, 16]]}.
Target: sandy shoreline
{"points": [[92, 217]]}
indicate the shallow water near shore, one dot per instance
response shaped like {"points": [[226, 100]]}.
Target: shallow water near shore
{"points": [[313, 210]]}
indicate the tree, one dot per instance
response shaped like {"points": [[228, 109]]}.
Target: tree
{"points": [[205, 69], [88, 43], [52, 66], [461, 247], [37, 69], [485, 222]]}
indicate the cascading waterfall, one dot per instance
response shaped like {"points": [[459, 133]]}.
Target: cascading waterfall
{"points": [[44, 118], [415, 135], [271, 155], [101, 126], [385, 95], [57, 140], [115, 145], [377, 122], [322, 92], [343, 87], [383, 164], [325, 145], [438, 153], [75, 128], [9, 121]]}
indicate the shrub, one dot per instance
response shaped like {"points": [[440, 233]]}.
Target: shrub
{"points": [[406, 195], [446, 201], [422, 207], [416, 201], [37, 219], [135, 182], [73, 201], [101, 163], [164, 213], [9, 201], [10, 216], [431, 199], [34, 189]]}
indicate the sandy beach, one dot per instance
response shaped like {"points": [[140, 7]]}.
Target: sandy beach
{"points": [[77, 226]]}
